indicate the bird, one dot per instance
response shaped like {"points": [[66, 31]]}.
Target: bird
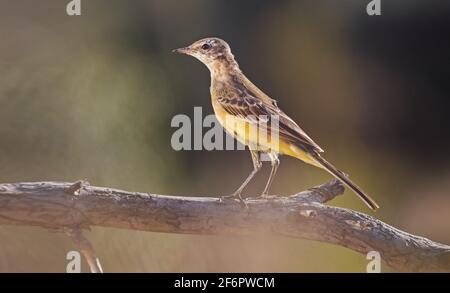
{"points": [[242, 108]]}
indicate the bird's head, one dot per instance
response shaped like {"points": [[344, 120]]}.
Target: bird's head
{"points": [[210, 51]]}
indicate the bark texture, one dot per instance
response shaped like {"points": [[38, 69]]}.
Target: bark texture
{"points": [[74, 206]]}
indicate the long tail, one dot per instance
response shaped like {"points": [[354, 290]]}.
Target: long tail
{"points": [[344, 179]]}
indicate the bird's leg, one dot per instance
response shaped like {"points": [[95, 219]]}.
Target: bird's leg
{"points": [[256, 167], [275, 163]]}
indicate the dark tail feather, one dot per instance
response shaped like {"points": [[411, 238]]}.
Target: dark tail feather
{"points": [[344, 179]]}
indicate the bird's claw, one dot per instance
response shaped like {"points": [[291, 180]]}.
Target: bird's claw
{"points": [[265, 196], [228, 197], [236, 196]]}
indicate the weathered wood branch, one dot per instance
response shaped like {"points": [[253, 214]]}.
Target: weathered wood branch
{"points": [[62, 205]]}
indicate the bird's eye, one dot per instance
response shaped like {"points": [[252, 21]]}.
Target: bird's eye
{"points": [[206, 47]]}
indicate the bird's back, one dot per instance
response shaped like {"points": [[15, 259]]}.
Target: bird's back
{"points": [[236, 98]]}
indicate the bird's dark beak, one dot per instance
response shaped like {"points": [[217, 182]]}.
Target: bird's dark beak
{"points": [[184, 50]]}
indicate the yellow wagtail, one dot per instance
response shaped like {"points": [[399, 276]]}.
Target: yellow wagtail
{"points": [[240, 107]]}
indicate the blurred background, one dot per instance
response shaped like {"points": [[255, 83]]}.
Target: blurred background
{"points": [[92, 97]]}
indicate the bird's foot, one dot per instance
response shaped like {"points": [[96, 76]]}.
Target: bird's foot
{"points": [[234, 196], [228, 197], [265, 196]]}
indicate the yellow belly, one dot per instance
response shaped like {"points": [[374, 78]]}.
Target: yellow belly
{"points": [[249, 134]]}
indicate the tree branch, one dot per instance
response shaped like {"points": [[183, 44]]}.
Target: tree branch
{"points": [[304, 215]]}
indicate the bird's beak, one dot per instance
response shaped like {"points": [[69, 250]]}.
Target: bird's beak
{"points": [[184, 50]]}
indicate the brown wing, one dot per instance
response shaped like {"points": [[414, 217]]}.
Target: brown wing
{"points": [[255, 110]]}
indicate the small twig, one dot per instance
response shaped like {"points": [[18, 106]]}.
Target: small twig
{"points": [[86, 249]]}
